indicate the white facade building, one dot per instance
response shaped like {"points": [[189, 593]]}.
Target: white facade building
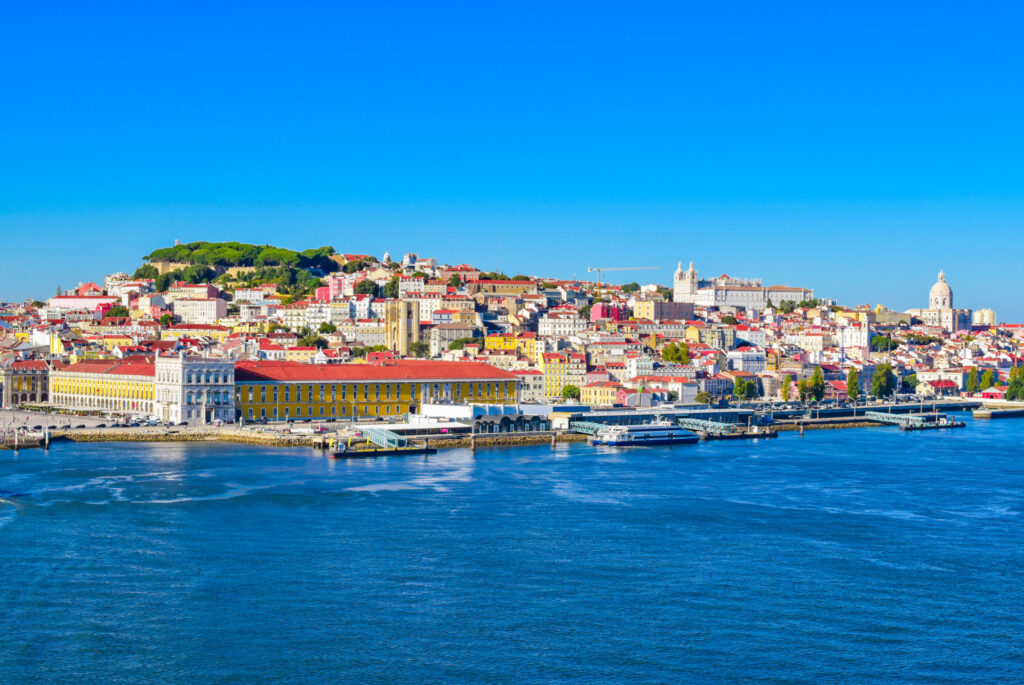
{"points": [[194, 389], [200, 310]]}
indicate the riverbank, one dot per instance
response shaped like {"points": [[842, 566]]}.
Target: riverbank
{"points": [[277, 439]]}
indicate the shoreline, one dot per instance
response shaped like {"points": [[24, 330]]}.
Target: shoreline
{"points": [[241, 437]]}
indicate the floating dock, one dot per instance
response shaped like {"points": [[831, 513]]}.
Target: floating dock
{"points": [[382, 452], [915, 422]]}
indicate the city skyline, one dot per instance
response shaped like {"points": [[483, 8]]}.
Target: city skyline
{"points": [[860, 151]]}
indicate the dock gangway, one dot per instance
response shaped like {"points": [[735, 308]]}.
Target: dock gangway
{"points": [[706, 426], [384, 438], [586, 427]]}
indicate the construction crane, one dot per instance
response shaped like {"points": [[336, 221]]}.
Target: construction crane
{"points": [[599, 269]]}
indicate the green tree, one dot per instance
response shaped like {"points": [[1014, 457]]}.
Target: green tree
{"points": [[704, 398], [787, 387], [882, 343], [198, 274], [987, 380], [883, 383], [853, 383], [118, 311], [631, 287], [146, 271], [459, 343], [571, 392], [728, 319], [910, 381], [164, 281], [816, 386], [365, 287], [328, 327], [803, 389], [166, 320], [744, 390], [390, 290], [312, 340], [419, 349], [1015, 391], [454, 281], [972, 380], [676, 353]]}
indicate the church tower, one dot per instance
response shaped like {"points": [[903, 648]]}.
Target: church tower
{"points": [[685, 284]]}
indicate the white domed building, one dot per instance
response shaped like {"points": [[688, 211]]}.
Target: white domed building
{"points": [[940, 312]]}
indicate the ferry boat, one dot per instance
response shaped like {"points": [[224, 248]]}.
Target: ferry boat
{"points": [[655, 433]]}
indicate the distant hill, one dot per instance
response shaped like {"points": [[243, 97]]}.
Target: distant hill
{"points": [[242, 254], [241, 264]]}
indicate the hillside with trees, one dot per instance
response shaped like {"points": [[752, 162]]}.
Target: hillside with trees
{"points": [[295, 273]]}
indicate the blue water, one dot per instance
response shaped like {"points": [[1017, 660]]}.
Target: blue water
{"points": [[844, 556]]}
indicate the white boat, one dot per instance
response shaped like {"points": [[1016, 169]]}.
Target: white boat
{"points": [[655, 433]]}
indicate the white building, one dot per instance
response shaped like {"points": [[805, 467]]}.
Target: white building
{"points": [[207, 310], [560, 325], [749, 359], [194, 389], [940, 312], [984, 317], [725, 291]]}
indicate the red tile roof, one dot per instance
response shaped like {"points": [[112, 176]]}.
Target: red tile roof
{"points": [[133, 366], [391, 370]]}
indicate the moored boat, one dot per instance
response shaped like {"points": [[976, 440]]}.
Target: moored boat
{"points": [[656, 433]]}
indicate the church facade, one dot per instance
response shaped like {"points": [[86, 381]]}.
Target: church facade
{"points": [[725, 291], [940, 312]]}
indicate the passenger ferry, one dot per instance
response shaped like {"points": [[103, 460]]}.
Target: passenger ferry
{"points": [[655, 433]]}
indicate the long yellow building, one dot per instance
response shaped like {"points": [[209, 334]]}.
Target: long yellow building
{"points": [[104, 384], [276, 391]]}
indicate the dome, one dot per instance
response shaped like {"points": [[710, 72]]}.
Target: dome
{"points": [[941, 295]]}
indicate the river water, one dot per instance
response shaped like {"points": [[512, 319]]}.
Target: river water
{"points": [[844, 556]]}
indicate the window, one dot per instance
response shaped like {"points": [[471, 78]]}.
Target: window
{"points": [[344, 393], [321, 393], [412, 392], [387, 391], [334, 396]]}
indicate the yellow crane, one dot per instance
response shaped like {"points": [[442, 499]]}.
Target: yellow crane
{"points": [[599, 269]]}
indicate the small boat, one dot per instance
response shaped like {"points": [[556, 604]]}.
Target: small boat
{"points": [[655, 433]]}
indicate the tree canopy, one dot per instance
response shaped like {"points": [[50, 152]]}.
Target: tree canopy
{"points": [[883, 383], [229, 254]]}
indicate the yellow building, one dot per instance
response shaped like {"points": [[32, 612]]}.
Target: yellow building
{"points": [[300, 354], [277, 391], [112, 341], [600, 394], [104, 385], [562, 369], [500, 341]]}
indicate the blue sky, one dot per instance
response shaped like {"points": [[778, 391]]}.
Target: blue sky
{"points": [[854, 149]]}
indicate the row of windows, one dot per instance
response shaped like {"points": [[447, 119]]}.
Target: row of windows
{"points": [[327, 412], [386, 391]]}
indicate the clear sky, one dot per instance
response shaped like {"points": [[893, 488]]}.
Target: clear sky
{"points": [[856, 148]]}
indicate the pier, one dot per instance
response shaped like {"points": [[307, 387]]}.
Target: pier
{"points": [[909, 422]]}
